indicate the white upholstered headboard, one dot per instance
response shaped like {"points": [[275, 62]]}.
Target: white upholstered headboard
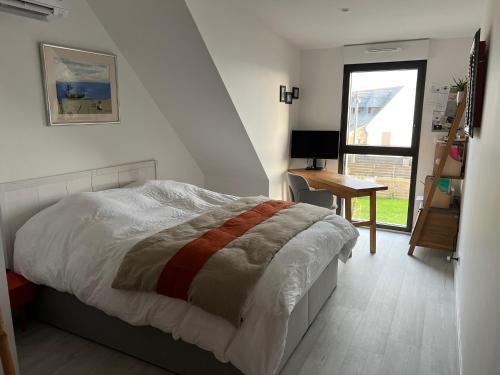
{"points": [[20, 200]]}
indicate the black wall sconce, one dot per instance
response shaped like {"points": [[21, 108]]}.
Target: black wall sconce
{"points": [[288, 96]]}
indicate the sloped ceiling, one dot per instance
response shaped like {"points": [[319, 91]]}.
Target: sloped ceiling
{"points": [[163, 45], [253, 62]]}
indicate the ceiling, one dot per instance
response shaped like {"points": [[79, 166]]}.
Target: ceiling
{"points": [[322, 24]]}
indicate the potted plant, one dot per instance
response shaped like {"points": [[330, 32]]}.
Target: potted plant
{"points": [[461, 85]]}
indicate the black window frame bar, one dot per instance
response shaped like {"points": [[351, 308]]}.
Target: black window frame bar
{"points": [[413, 150]]}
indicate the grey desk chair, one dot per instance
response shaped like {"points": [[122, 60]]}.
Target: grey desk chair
{"points": [[302, 192]]}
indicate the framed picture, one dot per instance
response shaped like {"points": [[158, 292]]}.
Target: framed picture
{"points": [[476, 84], [282, 93], [289, 97], [80, 86], [295, 91]]}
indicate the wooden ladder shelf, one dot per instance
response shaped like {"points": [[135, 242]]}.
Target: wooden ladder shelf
{"points": [[424, 211]]}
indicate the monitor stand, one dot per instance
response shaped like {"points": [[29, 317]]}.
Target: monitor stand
{"points": [[315, 166]]}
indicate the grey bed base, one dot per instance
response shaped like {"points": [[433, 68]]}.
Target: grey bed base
{"points": [[149, 344]]}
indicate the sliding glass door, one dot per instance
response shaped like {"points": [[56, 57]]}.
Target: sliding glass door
{"points": [[380, 133]]}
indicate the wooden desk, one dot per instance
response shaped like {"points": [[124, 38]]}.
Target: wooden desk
{"points": [[347, 187]]}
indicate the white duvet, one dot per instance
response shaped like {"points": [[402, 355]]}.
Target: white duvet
{"points": [[77, 245]]}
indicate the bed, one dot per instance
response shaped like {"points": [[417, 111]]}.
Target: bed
{"points": [[75, 295]]}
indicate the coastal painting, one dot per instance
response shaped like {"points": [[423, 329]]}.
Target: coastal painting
{"points": [[81, 86]]}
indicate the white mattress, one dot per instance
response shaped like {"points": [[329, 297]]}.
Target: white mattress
{"points": [[77, 245]]}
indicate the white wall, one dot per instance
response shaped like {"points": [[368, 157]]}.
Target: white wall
{"points": [[321, 75], [163, 45], [448, 58], [28, 148], [320, 105], [253, 62], [478, 272]]}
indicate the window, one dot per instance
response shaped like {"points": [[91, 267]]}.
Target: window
{"points": [[381, 115]]}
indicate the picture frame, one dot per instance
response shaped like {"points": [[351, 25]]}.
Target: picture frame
{"points": [[289, 98], [81, 86], [295, 91], [282, 93], [476, 84]]}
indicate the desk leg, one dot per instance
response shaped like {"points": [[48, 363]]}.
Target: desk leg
{"points": [[348, 209], [373, 224], [348, 212]]}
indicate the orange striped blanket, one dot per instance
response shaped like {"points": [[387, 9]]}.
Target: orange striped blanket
{"points": [[215, 260]]}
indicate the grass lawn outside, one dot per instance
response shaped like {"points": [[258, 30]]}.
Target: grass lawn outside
{"points": [[389, 210]]}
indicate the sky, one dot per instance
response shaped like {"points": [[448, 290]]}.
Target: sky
{"points": [[396, 117], [73, 71], [383, 79]]}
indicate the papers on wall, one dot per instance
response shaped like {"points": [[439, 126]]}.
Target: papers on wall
{"points": [[444, 103]]}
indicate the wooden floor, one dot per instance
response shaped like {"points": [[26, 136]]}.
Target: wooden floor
{"points": [[390, 314]]}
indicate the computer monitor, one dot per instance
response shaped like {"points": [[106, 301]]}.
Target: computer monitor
{"points": [[315, 144]]}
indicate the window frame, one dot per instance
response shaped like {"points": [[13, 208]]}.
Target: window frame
{"points": [[412, 151]]}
